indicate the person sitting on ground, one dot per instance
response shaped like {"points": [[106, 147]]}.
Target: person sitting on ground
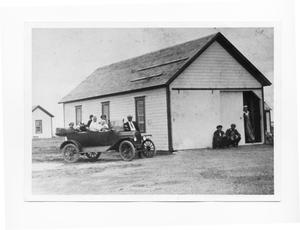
{"points": [[219, 138], [233, 136], [131, 125], [95, 126], [89, 121]]}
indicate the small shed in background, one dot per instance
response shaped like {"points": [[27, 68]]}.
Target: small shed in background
{"points": [[41, 122]]}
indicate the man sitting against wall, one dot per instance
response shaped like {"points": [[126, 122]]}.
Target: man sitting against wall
{"points": [[219, 138], [233, 136]]}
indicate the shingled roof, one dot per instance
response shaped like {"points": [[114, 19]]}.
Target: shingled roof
{"points": [[152, 70]]}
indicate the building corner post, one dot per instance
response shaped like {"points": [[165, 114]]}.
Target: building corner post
{"points": [[169, 119], [264, 114]]}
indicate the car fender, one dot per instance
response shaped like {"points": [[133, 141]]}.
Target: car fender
{"points": [[71, 142], [117, 144]]}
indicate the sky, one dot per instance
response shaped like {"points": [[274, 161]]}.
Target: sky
{"points": [[62, 58]]}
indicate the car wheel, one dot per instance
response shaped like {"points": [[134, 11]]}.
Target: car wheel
{"points": [[70, 153], [148, 148], [127, 150], [93, 156]]}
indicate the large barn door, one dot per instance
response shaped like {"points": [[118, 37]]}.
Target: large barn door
{"points": [[232, 111]]}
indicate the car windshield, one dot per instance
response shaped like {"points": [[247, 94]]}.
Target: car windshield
{"points": [[117, 125]]}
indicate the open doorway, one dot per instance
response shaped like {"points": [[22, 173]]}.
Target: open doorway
{"points": [[253, 121]]}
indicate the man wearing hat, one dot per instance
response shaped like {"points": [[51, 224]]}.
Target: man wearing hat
{"points": [[131, 125], [219, 138], [233, 136]]}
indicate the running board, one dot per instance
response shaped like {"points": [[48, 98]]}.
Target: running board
{"points": [[95, 149]]}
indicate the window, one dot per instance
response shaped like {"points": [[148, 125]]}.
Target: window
{"points": [[78, 114], [105, 110], [38, 126], [140, 113]]}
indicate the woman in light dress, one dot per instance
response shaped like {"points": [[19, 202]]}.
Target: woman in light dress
{"points": [[248, 126]]}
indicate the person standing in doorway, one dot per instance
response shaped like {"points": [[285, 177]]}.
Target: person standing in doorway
{"points": [[248, 126], [131, 125]]}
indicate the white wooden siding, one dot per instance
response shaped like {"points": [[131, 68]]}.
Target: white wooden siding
{"points": [[196, 113], [46, 124], [194, 117], [215, 68], [231, 111], [122, 105]]}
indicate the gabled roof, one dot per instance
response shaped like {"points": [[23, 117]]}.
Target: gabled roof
{"points": [[41, 108], [152, 70]]}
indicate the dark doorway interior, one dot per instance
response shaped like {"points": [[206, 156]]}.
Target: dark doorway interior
{"points": [[253, 103]]}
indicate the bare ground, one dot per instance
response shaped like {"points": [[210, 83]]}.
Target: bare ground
{"points": [[243, 170]]}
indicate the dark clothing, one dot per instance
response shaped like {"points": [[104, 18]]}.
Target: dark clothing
{"points": [[219, 139], [70, 130], [127, 126], [88, 123], [233, 137], [82, 128]]}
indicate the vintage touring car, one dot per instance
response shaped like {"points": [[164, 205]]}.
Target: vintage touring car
{"points": [[91, 144]]}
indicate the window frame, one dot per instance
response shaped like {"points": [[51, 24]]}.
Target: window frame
{"points": [[102, 109], [76, 107], [136, 99], [41, 122]]}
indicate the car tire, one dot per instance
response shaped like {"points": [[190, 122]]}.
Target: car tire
{"points": [[127, 150], [148, 149], [70, 153], [93, 156]]}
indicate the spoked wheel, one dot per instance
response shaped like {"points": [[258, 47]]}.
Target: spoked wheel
{"points": [[93, 156], [127, 150], [148, 148], [71, 153]]}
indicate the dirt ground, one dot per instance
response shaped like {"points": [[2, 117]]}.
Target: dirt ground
{"points": [[243, 170]]}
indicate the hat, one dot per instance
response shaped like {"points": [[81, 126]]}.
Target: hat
{"points": [[129, 115], [245, 106], [219, 126]]}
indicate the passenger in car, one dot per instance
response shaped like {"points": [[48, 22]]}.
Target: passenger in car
{"points": [[131, 125], [82, 127], [103, 125], [89, 121], [95, 126], [71, 128]]}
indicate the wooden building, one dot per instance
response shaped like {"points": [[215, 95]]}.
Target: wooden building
{"points": [[178, 94], [41, 122]]}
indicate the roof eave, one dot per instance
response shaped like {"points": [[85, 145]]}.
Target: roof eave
{"points": [[44, 110], [113, 94], [242, 60], [233, 51]]}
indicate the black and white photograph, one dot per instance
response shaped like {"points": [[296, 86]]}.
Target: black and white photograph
{"points": [[152, 111], [152, 114]]}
